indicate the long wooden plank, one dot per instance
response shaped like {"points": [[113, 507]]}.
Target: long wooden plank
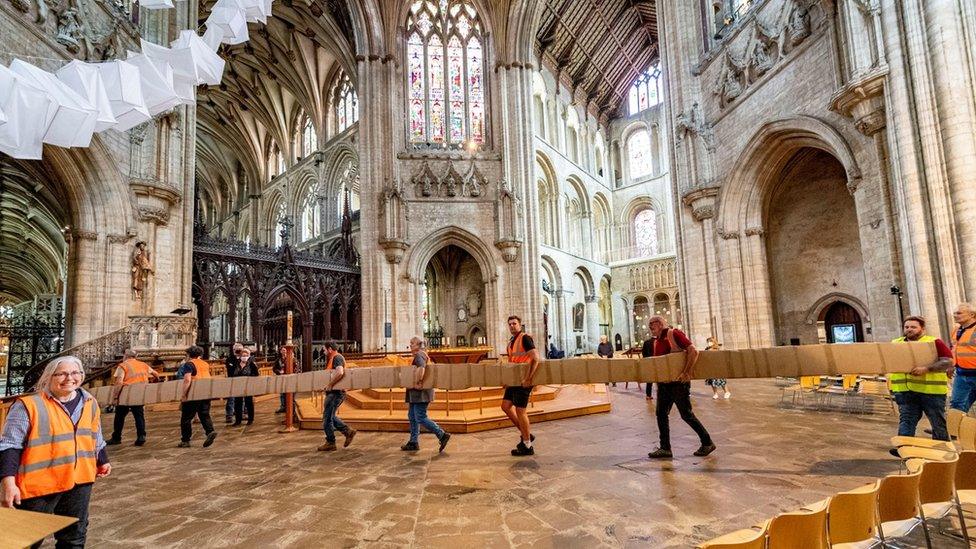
{"points": [[804, 360]]}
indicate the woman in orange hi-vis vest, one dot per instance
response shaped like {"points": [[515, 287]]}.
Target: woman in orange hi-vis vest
{"points": [[52, 449]]}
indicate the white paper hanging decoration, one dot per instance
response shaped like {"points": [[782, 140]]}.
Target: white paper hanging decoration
{"points": [[180, 60], [255, 11], [156, 4], [73, 119], [156, 79], [85, 80], [230, 20], [3, 117], [122, 85], [212, 37], [207, 65], [28, 116]]}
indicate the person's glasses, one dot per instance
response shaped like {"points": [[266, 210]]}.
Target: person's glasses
{"points": [[62, 375]]}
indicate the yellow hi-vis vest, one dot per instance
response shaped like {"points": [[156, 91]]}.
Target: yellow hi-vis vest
{"points": [[932, 383]]}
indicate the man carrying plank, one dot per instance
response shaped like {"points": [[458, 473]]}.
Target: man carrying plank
{"points": [[129, 372], [521, 350], [336, 365], [923, 390], [194, 367], [665, 340]]}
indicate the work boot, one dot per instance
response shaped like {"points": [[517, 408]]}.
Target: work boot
{"points": [[444, 439], [349, 434], [211, 437], [140, 441], [660, 453], [183, 444], [113, 441], [523, 450], [327, 447], [410, 447], [704, 450]]}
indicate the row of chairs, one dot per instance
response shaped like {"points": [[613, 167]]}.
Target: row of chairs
{"points": [[940, 478], [858, 393]]}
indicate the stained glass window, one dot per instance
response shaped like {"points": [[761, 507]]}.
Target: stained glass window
{"points": [[646, 90], [645, 233], [445, 74], [639, 154], [346, 103]]}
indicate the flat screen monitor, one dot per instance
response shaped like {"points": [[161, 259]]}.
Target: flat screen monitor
{"points": [[843, 333]]}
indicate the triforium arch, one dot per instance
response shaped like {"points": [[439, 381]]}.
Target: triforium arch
{"points": [[420, 257]]}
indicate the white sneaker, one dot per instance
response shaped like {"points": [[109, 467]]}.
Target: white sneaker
{"points": [[715, 396], [728, 395]]}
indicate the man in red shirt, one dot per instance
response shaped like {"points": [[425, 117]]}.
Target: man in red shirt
{"points": [[665, 340]]}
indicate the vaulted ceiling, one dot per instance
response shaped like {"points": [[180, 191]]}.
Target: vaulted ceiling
{"points": [[598, 47], [284, 70]]}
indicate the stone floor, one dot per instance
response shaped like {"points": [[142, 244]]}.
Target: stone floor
{"points": [[590, 484]]}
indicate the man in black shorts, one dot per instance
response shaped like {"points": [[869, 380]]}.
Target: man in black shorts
{"points": [[521, 350]]}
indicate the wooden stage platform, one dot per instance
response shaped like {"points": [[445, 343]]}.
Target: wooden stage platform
{"points": [[466, 411]]}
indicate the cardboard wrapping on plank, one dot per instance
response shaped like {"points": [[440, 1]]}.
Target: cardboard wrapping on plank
{"points": [[793, 361]]}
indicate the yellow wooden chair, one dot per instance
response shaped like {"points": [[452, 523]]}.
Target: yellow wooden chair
{"points": [[748, 538], [966, 478], [954, 420], [852, 518], [937, 492], [871, 392], [967, 434], [806, 385], [898, 509], [804, 529]]}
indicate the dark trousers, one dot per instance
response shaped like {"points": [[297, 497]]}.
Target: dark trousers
{"points": [[648, 389], [239, 404], [912, 405], [190, 408], [72, 503], [678, 394], [138, 413]]}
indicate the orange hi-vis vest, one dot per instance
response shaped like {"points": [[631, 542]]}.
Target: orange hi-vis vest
{"points": [[58, 454], [964, 348], [517, 353], [136, 371], [328, 363], [203, 367]]}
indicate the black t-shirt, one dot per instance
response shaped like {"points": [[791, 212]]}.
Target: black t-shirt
{"points": [[527, 342]]}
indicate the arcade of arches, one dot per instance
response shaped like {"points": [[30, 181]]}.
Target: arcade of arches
{"points": [[774, 172]]}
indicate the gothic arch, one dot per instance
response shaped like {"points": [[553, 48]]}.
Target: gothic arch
{"points": [[813, 313], [422, 252], [763, 160], [550, 265]]}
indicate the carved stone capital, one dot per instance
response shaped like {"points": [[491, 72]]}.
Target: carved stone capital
{"points": [[702, 201], [509, 249], [119, 238], [727, 235], [159, 216], [84, 235], [863, 100], [393, 250], [592, 298], [754, 231]]}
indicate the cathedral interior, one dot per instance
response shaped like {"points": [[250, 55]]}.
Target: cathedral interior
{"points": [[760, 172]]}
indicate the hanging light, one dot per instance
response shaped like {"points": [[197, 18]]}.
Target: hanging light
{"points": [[86, 81], [207, 66], [72, 116], [121, 80], [156, 81], [28, 113], [229, 18]]}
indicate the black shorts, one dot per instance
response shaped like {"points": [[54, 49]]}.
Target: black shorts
{"points": [[519, 396]]}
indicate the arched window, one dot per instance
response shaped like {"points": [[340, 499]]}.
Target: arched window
{"points": [[445, 74], [346, 104], [641, 313], [645, 92], [645, 233], [279, 224], [639, 154], [310, 217], [308, 138]]}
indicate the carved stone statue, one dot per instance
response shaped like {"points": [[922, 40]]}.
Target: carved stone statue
{"points": [[69, 29], [141, 269], [799, 24]]}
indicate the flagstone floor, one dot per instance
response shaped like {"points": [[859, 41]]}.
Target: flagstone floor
{"points": [[589, 485]]}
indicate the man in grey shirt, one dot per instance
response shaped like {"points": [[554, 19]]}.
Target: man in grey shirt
{"points": [[418, 399]]}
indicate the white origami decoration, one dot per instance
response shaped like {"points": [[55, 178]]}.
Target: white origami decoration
{"points": [[212, 37], [3, 117], [28, 116], [156, 79], [85, 80], [122, 85], [255, 11], [207, 66], [183, 65], [73, 117], [230, 20], [156, 4]]}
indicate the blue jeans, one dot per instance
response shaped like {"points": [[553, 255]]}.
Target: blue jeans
{"points": [[229, 407], [963, 393], [912, 405], [330, 421], [418, 416]]}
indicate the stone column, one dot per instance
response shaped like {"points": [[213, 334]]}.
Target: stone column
{"points": [[592, 323], [706, 318]]}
